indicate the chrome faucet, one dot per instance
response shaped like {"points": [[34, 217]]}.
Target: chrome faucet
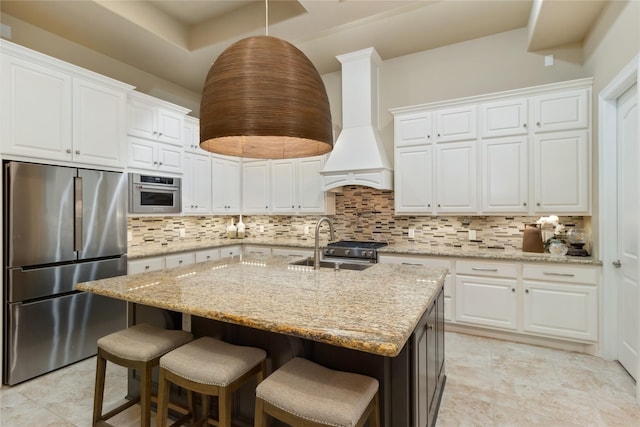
{"points": [[316, 252]]}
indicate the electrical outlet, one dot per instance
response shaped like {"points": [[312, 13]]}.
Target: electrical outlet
{"points": [[186, 322], [129, 236], [182, 232], [412, 233], [261, 228], [306, 229], [472, 234]]}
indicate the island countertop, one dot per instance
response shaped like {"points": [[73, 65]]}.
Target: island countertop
{"points": [[374, 310]]}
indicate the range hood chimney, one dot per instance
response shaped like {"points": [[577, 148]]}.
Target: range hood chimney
{"points": [[359, 156]]}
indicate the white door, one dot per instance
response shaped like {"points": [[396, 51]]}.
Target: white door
{"points": [[628, 250]]}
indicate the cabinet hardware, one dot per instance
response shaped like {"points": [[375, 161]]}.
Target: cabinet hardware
{"points": [[410, 263], [538, 124], [524, 125], [537, 204], [513, 289], [68, 150], [179, 261], [77, 151], [558, 274], [428, 327], [526, 291], [524, 204], [617, 264], [484, 269]]}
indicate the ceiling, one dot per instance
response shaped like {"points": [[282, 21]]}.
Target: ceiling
{"points": [[178, 40]]}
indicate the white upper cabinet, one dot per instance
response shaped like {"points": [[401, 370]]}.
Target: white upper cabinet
{"points": [[154, 156], [156, 120], [226, 176], [310, 196], [526, 151], [561, 111], [99, 131], [456, 124], [413, 179], [505, 174], [456, 180], [505, 118], [196, 183], [413, 129], [54, 111], [561, 172], [191, 136], [256, 186], [283, 186]]}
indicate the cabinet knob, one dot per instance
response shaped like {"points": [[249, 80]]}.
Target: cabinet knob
{"points": [[292, 206], [160, 163], [159, 133], [68, 150], [428, 327], [438, 204], [179, 261], [429, 205], [438, 134], [617, 264], [155, 163], [524, 125], [538, 204], [526, 291], [524, 204], [513, 289], [146, 267], [77, 151], [538, 124], [428, 136]]}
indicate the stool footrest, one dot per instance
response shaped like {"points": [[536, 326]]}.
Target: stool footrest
{"points": [[121, 408]]}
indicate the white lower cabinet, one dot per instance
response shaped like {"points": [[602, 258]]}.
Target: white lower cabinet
{"points": [[207, 255], [256, 250], [487, 301], [293, 253], [561, 301], [145, 265], [178, 260]]}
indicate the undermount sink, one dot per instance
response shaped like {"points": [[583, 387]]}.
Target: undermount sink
{"points": [[335, 265]]}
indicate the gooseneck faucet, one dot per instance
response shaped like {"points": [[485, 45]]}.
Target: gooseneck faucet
{"points": [[316, 252]]}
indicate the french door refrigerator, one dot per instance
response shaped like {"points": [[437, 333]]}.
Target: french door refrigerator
{"points": [[62, 225]]}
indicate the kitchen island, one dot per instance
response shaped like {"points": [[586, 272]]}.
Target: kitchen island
{"points": [[384, 321]]}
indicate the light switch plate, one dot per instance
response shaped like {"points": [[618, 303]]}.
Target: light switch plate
{"points": [[472, 234], [182, 232], [412, 233], [262, 228], [129, 236], [306, 229]]}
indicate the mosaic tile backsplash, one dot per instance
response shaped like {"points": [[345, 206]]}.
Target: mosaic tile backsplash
{"points": [[361, 213]]}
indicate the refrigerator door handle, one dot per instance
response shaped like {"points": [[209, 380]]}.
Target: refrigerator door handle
{"points": [[77, 207]]}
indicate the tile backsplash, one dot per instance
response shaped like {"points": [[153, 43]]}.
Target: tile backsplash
{"points": [[361, 213]]}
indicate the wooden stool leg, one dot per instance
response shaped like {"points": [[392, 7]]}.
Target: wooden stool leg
{"points": [[260, 418], [98, 397], [191, 404], [205, 409], [145, 395], [224, 408], [163, 400], [374, 419]]}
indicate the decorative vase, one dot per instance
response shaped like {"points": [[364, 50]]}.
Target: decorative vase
{"points": [[240, 229], [231, 230], [532, 239], [557, 248]]}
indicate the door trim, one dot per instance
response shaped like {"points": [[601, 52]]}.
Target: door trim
{"points": [[607, 183]]}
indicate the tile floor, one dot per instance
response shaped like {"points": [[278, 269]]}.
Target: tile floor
{"points": [[489, 383]]}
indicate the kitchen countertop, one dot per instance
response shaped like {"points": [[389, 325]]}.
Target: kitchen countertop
{"points": [[374, 310], [408, 248]]}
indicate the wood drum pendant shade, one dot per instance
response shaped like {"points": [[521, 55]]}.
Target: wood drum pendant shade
{"points": [[263, 98]]}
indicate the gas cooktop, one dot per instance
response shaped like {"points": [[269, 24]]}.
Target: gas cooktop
{"points": [[353, 250]]}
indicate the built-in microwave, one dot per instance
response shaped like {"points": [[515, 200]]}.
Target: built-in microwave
{"points": [[154, 194]]}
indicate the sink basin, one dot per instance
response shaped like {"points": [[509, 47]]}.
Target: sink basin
{"points": [[335, 265]]}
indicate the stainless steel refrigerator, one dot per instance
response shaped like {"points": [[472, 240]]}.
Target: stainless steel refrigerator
{"points": [[62, 225]]}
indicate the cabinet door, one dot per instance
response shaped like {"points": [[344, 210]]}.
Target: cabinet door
{"points": [[561, 172], [142, 153], [414, 180], [505, 182], [504, 118], [283, 186], [486, 301], [196, 184], [255, 186], [169, 158], [99, 124], [36, 110], [456, 180], [561, 310], [311, 197], [561, 111], [456, 124], [141, 119], [413, 129], [225, 187], [170, 126]]}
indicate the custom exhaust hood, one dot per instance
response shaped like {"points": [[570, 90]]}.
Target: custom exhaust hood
{"points": [[359, 156]]}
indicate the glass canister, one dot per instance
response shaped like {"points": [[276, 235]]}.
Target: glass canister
{"points": [[557, 247]]}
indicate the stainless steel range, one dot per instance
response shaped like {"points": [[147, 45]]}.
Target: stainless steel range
{"points": [[353, 251]]}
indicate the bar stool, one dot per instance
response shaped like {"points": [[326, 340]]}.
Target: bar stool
{"points": [[210, 367], [138, 347], [304, 394]]}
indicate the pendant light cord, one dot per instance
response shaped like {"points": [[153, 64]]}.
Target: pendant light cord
{"points": [[266, 17]]}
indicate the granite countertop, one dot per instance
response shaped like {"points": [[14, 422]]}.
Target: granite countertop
{"points": [[408, 248], [374, 310]]}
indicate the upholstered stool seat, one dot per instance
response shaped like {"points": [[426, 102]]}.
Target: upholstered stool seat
{"points": [[138, 347], [210, 367], [303, 393]]}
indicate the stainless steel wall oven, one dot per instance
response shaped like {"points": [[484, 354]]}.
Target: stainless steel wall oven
{"points": [[154, 194]]}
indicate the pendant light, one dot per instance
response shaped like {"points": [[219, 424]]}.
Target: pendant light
{"points": [[263, 98]]}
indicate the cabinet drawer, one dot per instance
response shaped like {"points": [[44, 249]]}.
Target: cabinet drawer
{"points": [[493, 269], [208, 255], [257, 250], [145, 265], [415, 260], [230, 251], [569, 273], [292, 252], [179, 259]]}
